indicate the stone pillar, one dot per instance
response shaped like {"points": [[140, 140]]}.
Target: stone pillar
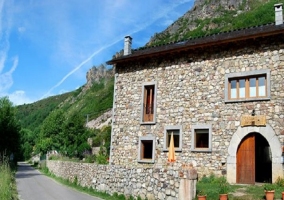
{"points": [[188, 179]]}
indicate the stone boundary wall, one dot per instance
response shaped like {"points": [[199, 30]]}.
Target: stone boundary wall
{"points": [[161, 182]]}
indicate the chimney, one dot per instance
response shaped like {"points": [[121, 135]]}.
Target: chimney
{"points": [[278, 14], [127, 45]]}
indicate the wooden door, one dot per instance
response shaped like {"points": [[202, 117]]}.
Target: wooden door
{"points": [[246, 160]]}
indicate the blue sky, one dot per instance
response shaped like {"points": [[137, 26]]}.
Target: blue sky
{"points": [[47, 46]]}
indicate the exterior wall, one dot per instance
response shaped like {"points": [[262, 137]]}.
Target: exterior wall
{"points": [[162, 182], [191, 91]]}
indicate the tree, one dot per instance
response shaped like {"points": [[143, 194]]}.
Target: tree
{"points": [[9, 128], [51, 132], [75, 136], [27, 143]]}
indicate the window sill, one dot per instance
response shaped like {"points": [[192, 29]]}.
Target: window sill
{"points": [[247, 100], [146, 161], [201, 150], [147, 123], [176, 150]]}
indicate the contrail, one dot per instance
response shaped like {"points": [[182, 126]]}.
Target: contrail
{"points": [[79, 66], [159, 15]]}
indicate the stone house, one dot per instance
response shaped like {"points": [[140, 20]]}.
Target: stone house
{"points": [[221, 96]]}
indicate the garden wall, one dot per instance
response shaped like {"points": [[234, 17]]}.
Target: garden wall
{"points": [[161, 182]]}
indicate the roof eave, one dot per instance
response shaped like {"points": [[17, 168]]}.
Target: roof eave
{"points": [[222, 38]]}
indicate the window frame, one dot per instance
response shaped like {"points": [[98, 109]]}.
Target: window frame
{"points": [[247, 75], [193, 144], [144, 85], [168, 128], [146, 138]]}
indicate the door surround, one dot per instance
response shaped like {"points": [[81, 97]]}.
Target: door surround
{"points": [[269, 134]]}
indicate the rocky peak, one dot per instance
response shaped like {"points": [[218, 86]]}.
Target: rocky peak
{"points": [[95, 74]]}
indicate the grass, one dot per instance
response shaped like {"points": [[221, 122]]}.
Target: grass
{"points": [[211, 186], [8, 188]]}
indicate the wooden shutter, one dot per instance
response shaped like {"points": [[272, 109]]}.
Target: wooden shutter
{"points": [[148, 106]]}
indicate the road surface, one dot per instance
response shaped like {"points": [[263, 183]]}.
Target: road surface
{"points": [[32, 185]]}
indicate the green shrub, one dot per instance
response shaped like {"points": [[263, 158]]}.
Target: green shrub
{"points": [[279, 181], [102, 159], [269, 187], [90, 159], [224, 186]]}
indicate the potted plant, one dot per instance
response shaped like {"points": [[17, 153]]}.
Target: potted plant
{"points": [[223, 189], [269, 190], [201, 195]]}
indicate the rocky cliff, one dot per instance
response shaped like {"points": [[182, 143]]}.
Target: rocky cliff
{"points": [[95, 74]]}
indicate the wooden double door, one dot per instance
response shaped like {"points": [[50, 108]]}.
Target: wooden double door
{"points": [[254, 160]]}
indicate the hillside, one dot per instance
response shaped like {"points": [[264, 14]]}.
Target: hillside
{"points": [[209, 17], [93, 98]]}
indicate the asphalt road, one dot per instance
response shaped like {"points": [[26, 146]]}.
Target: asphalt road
{"points": [[32, 185]]}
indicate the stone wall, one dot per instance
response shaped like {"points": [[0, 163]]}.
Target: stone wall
{"points": [[191, 91], [159, 182]]}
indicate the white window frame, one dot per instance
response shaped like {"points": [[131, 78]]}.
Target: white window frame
{"points": [[153, 83], [201, 126], [141, 140], [241, 75], [169, 128]]}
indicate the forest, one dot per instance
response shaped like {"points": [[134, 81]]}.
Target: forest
{"points": [[58, 123]]}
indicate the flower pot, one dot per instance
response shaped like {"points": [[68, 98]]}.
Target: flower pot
{"points": [[269, 195], [223, 196], [201, 197], [282, 195]]}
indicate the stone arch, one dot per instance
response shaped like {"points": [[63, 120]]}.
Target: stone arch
{"points": [[269, 134]]}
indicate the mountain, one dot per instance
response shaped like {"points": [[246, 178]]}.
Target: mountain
{"points": [[209, 17], [92, 99]]}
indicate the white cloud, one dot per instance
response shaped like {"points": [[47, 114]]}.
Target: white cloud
{"points": [[6, 79], [19, 97]]}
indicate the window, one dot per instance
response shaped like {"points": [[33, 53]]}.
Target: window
{"points": [[201, 137], [148, 108], [177, 134], [146, 151], [246, 86]]}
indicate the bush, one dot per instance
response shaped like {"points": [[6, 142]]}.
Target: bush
{"points": [[224, 186], [90, 159], [102, 159], [269, 187], [279, 181]]}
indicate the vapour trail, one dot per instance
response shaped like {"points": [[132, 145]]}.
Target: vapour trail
{"points": [[161, 14], [79, 66]]}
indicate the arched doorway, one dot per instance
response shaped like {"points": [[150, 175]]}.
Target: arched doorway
{"points": [[254, 162], [267, 133]]}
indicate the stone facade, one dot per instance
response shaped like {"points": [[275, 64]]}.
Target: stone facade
{"points": [[191, 91], [161, 182]]}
